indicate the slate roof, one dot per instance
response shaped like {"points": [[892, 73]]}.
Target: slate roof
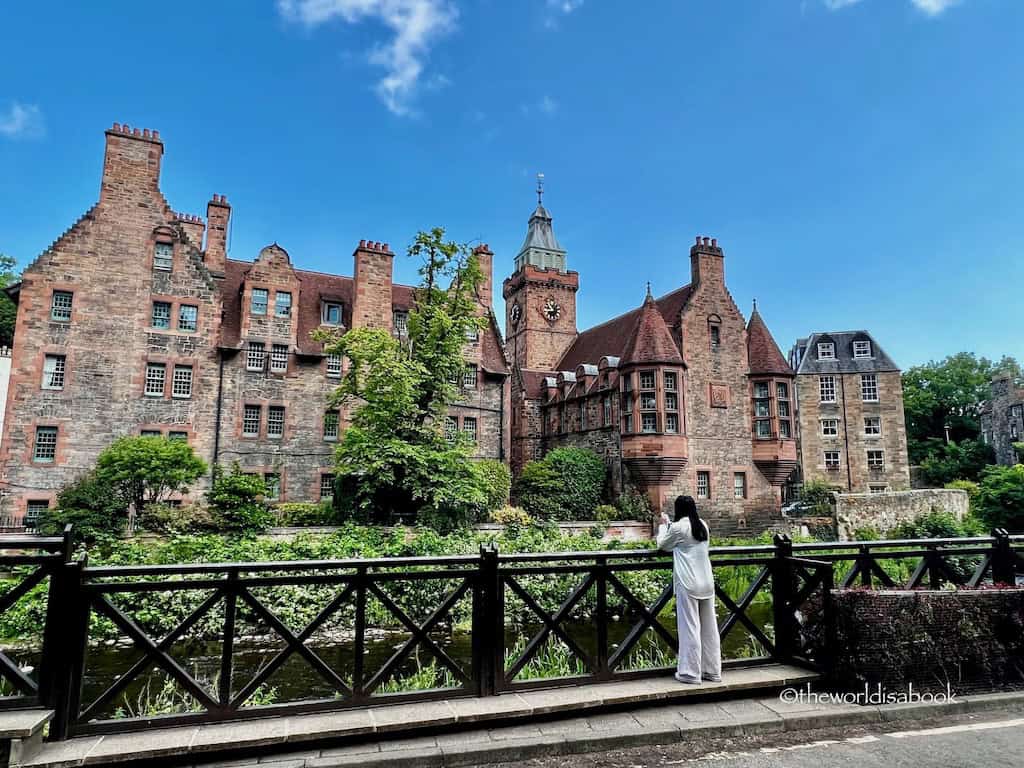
{"points": [[651, 341], [763, 353], [611, 337], [879, 362], [540, 233]]}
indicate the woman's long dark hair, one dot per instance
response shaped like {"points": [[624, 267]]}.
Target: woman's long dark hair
{"points": [[687, 507]]}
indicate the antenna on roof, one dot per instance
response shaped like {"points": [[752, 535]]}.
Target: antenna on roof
{"points": [[540, 189]]}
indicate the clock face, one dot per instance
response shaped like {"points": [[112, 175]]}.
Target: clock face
{"points": [[551, 310], [514, 313]]}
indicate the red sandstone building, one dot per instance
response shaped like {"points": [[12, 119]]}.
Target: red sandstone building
{"points": [[135, 321], [680, 395]]}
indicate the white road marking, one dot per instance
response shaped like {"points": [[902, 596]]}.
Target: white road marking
{"points": [[966, 728]]}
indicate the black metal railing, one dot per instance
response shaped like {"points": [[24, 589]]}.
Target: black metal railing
{"points": [[531, 620]]}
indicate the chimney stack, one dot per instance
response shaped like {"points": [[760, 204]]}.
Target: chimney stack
{"points": [[218, 216], [707, 262], [485, 260], [371, 277], [131, 165]]}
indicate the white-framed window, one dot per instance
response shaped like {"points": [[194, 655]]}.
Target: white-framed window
{"points": [[400, 321], [188, 318], [671, 401], [672, 423], [703, 484], [671, 381], [715, 334], [782, 406], [878, 488], [279, 358], [648, 401], [830, 427], [646, 379], [45, 449], [251, 417], [649, 422], [763, 429], [156, 375], [34, 509], [831, 459], [282, 304], [272, 481], [161, 317], [258, 302], [739, 485], [331, 422], [60, 306], [451, 429], [607, 409], [869, 387], [54, 367], [876, 460], [163, 257], [330, 313], [469, 427], [181, 384], [861, 350], [827, 388], [785, 430], [872, 426], [826, 350], [326, 486], [255, 356], [469, 376], [473, 334], [275, 421], [334, 366]]}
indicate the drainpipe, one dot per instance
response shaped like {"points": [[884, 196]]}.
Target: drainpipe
{"points": [[846, 435], [220, 394]]}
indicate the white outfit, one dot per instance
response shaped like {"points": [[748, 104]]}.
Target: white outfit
{"points": [[700, 652]]}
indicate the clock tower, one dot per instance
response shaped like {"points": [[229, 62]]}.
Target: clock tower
{"points": [[540, 297]]}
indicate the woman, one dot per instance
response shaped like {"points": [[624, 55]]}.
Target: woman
{"points": [[700, 655]]}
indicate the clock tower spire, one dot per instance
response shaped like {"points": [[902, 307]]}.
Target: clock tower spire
{"points": [[540, 296]]}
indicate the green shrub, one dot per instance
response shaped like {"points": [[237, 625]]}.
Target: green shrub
{"points": [[931, 525], [147, 470], [497, 482], [511, 516], [605, 513], [816, 498], [564, 485], [867, 533], [633, 504], [1000, 500], [306, 513], [91, 506], [188, 518], [236, 500]]}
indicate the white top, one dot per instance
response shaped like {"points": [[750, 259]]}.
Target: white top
{"points": [[691, 563]]}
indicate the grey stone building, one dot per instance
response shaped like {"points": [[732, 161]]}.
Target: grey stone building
{"points": [[1002, 419], [849, 400]]}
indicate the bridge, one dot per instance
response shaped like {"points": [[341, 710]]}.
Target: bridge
{"points": [[546, 634]]}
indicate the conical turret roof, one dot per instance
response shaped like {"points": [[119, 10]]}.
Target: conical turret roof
{"points": [[763, 353], [651, 341]]}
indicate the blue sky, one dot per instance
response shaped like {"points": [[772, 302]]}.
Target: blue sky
{"points": [[860, 160]]}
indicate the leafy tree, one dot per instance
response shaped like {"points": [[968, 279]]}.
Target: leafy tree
{"points": [[956, 461], [91, 506], [564, 485], [394, 458], [8, 309], [144, 470], [1001, 498], [236, 501], [497, 482], [947, 392]]}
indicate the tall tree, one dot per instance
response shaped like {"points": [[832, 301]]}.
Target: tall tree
{"points": [[8, 309], [394, 457]]}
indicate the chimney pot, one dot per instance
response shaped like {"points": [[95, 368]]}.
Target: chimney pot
{"points": [[387, 247], [138, 132], [714, 242], [698, 239], [145, 132], [117, 127], [156, 134], [707, 240], [362, 243]]}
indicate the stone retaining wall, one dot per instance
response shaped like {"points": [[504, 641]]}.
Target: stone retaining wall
{"points": [[621, 530], [884, 511]]}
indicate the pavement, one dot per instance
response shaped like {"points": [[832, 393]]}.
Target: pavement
{"points": [[762, 732]]}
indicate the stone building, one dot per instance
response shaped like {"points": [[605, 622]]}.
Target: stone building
{"points": [[680, 395], [1002, 419], [849, 399], [135, 321]]}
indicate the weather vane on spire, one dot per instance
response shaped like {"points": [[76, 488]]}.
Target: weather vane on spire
{"points": [[540, 189]]}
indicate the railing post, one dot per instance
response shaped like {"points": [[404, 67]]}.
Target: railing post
{"points": [[782, 598], [488, 624], [828, 609], [601, 618], [64, 646], [228, 641], [1004, 560]]}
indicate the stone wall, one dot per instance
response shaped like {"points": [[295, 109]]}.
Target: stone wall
{"points": [[1002, 423], [970, 640], [884, 511]]}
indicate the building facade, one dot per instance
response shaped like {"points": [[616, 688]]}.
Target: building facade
{"points": [[135, 321], [1002, 419], [849, 398], [680, 395]]}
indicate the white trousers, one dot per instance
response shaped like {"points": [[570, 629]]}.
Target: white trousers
{"points": [[700, 652]]}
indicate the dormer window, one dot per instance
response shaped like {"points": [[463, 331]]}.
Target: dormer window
{"points": [[330, 313], [826, 350], [163, 257], [282, 304], [861, 350]]}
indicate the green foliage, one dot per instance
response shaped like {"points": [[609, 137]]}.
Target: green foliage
{"points": [[956, 461], [816, 498], [306, 513], [145, 470], [633, 504], [167, 519], [933, 525], [393, 460], [1000, 498], [1019, 448], [966, 485], [496, 480], [91, 506], [564, 485], [947, 392], [236, 500], [605, 513], [867, 533], [8, 309]]}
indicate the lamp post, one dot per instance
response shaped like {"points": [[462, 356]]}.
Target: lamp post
{"points": [[946, 427]]}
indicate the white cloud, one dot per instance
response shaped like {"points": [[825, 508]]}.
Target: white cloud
{"points": [[928, 7], [22, 121], [558, 8], [416, 25]]}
